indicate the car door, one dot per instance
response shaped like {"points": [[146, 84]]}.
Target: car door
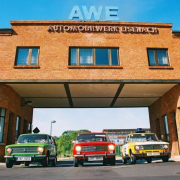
{"points": [[52, 146], [125, 146]]}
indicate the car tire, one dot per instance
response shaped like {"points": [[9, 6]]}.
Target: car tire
{"points": [[124, 160], [45, 162], [9, 163], [149, 160], [104, 162], [165, 158], [54, 162], [80, 163], [133, 159], [26, 163], [112, 161], [76, 162]]}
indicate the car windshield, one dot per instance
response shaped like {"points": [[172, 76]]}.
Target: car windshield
{"points": [[143, 137], [39, 138], [91, 138]]}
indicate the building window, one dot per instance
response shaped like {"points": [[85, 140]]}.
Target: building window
{"points": [[166, 128], [158, 57], [158, 129], [29, 128], [27, 56], [17, 128], [2, 120], [94, 56]]}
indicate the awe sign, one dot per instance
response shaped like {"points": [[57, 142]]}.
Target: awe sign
{"points": [[110, 13]]}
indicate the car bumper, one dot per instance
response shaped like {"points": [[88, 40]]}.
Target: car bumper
{"points": [[145, 154], [93, 155], [33, 157]]}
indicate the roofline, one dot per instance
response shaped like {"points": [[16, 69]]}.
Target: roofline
{"points": [[6, 30], [176, 32], [90, 22]]}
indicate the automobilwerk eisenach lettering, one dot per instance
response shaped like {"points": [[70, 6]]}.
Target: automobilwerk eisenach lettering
{"points": [[109, 29]]}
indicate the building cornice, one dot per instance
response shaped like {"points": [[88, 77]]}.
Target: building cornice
{"points": [[169, 25]]}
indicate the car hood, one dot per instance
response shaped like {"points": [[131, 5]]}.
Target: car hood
{"points": [[150, 142], [93, 143], [26, 144]]}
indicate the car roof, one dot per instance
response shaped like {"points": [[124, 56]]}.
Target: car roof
{"points": [[142, 133], [35, 134], [92, 133]]}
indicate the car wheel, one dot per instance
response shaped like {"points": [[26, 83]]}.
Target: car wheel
{"points": [[105, 162], [45, 162], [9, 163], [124, 160], [80, 163], [149, 160], [76, 162], [165, 158], [26, 163], [133, 159], [112, 161], [54, 162]]}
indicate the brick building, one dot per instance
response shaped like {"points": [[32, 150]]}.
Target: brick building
{"points": [[75, 64]]}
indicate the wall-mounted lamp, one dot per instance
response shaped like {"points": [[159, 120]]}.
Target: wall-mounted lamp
{"points": [[26, 103]]}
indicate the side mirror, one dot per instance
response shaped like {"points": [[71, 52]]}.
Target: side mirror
{"points": [[73, 142]]}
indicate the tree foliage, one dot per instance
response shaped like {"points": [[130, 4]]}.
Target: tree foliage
{"points": [[64, 142]]}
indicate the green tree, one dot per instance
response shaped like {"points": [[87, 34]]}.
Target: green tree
{"points": [[64, 142]]}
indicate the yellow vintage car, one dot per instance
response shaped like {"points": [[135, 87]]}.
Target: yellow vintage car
{"points": [[144, 145]]}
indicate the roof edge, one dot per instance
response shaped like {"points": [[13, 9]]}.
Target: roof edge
{"points": [[91, 22], [6, 31], [176, 32]]}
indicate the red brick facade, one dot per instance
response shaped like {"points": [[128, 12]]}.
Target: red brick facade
{"points": [[169, 105], [11, 101], [53, 65]]}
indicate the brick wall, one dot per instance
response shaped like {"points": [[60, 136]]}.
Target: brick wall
{"points": [[54, 52], [11, 101], [168, 104]]}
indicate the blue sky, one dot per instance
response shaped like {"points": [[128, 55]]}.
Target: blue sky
{"points": [[92, 119], [128, 10], [164, 11]]}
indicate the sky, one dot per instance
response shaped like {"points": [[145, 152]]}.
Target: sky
{"points": [[160, 11]]}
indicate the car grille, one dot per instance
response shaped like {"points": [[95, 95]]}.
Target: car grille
{"points": [[24, 149], [94, 148], [147, 147]]}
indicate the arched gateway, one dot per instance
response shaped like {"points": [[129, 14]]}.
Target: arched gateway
{"points": [[75, 64]]}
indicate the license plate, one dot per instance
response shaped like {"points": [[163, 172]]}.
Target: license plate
{"points": [[23, 159], [96, 158], [153, 154]]}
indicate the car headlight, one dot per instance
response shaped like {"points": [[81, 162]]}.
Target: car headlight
{"points": [[78, 148], [137, 148], [165, 146], [9, 150], [40, 149], [111, 147]]}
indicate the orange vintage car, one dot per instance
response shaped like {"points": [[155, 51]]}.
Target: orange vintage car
{"points": [[90, 147]]}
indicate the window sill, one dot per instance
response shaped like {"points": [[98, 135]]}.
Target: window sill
{"points": [[161, 67], [95, 67], [26, 67]]}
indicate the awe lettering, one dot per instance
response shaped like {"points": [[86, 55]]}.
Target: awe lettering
{"points": [[93, 13]]}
